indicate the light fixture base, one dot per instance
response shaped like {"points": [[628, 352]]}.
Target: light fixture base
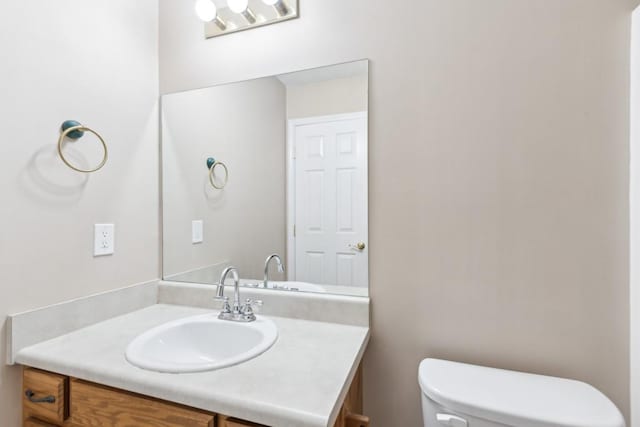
{"points": [[257, 14]]}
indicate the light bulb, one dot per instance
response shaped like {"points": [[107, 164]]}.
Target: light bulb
{"points": [[206, 10], [238, 6], [280, 6]]}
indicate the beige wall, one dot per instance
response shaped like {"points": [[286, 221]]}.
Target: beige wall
{"points": [[95, 62], [499, 176], [242, 125], [336, 96], [634, 231]]}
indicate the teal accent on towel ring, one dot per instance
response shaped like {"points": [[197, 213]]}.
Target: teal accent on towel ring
{"points": [[76, 134], [210, 162]]}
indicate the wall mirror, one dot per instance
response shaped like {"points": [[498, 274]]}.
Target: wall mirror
{"points": [[275, 165]]}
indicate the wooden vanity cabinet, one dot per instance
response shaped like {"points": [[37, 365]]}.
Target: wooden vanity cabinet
{"points": [[52, 400], [351, 412]]}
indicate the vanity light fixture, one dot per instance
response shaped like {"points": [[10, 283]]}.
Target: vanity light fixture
{"points": [[279, 6], [208, 12], [222, 17], [242, 7]]}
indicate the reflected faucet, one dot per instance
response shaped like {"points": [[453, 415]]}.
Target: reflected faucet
{"points": [[236, 313], [266, 268]]}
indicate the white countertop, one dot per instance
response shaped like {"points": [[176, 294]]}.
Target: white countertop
{"points": [[300, 382]]}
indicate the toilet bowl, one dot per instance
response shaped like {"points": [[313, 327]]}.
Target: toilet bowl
{"points": [[462, 395]]}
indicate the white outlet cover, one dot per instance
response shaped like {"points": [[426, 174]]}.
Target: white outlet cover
{"points": [[197, 231], [103, 239]]}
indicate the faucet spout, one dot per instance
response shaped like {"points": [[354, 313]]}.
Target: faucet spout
{"points": [[236, 285], [266, 268]]}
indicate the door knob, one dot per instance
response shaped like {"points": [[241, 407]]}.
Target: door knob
{"points": [[359, 246]]}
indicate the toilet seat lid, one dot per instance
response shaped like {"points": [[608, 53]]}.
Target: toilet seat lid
{"points": [[516, 398]]}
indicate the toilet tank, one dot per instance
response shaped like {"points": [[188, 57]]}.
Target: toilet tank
{"points": [[462, 395]]}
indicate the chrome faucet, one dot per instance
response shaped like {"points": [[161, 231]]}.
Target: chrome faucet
{"points": [[237, 313], [266, 268]]}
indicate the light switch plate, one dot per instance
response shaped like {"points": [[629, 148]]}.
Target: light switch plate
{"points": [[197, 231], [103, 239]]}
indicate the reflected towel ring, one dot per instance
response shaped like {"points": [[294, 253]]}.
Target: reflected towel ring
{"points": [[74, 131], [211, 165]]}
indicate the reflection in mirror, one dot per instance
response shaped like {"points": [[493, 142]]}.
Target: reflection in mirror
{"points": [[270, 176]]}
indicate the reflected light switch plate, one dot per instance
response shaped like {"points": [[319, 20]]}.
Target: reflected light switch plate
{"points": [[103, 239], [197, 231]]}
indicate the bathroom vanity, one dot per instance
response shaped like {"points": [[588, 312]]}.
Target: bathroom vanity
{"points": [[76, 372]]}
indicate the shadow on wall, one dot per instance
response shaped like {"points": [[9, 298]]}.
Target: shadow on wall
{"points": [[215, 198], [46, 179]]}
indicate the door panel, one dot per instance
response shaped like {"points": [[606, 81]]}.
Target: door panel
{"points": [[314, 198], [345, 183], [314, 267]]}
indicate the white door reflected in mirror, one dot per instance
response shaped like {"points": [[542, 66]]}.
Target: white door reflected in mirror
{"points": [[330, 199]]}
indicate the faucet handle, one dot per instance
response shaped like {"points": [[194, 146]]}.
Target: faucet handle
{"points": [[226, 307], [251, 306]]}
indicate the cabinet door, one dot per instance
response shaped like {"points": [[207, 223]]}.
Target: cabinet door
{"points": [[99, 406]]}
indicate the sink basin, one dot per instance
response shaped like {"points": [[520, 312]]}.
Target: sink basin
{"points": [[200, 343]]}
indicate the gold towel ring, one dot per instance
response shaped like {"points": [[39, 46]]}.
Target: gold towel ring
{"points": [[226, 175], [81, 128]]}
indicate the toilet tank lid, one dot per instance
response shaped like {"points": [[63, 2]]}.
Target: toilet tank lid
{"points": [[516, 398]]}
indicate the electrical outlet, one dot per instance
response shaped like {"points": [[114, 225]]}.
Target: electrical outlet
{"points": [[197, 231], [103, 239]]}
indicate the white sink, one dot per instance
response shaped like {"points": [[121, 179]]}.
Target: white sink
{"points": [[200, 343]]}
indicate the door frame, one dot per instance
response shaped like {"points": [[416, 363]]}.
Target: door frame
{"points": [[290, 262]]}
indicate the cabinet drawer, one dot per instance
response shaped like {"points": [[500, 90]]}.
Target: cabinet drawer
{"points": [[44, 396], [99, 406]]}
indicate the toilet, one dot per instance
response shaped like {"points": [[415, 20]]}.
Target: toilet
{"points": [[462, 395]]}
